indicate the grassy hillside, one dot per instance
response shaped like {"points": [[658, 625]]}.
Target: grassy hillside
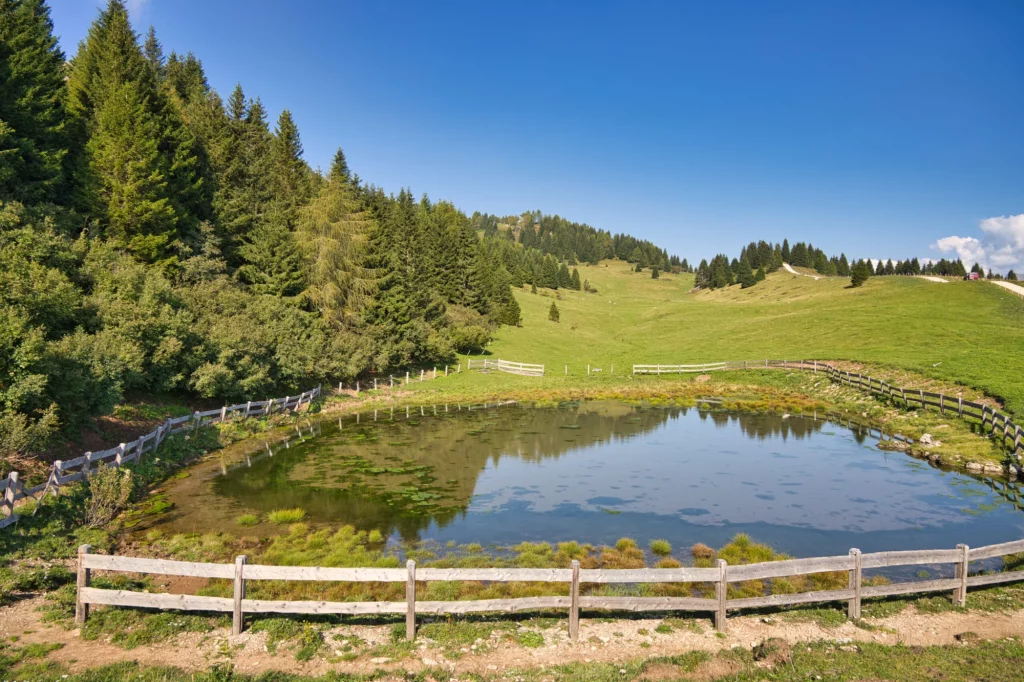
{"points": [[969, 332]]}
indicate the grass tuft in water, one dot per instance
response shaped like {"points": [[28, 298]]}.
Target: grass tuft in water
{"points": [[661, 548], [247, 520], [283, 516]]}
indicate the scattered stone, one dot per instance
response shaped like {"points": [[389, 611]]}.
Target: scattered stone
{"points": [[926, 439], [429, 661], [966, 637], [379, 660]]}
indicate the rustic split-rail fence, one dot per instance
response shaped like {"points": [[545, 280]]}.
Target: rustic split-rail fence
{"points": [[999, 425], [719, 576], [80, 468], [522, 368]]}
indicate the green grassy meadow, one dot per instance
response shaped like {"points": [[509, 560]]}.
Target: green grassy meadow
{"points": [[970, 333]]}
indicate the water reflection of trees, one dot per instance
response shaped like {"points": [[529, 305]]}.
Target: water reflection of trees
{"points": [[457, 445], [763, 427]]}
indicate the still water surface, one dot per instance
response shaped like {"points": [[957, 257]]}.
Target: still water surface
{"points": [[597, 471]]}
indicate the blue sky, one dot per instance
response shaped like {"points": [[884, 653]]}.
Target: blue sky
{"points": [[874, 128]]}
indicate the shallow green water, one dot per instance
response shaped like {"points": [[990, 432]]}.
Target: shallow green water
{"points": [[597, 471]]}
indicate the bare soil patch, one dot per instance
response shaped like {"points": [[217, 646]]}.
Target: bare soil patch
{"points": [[613, 641]]}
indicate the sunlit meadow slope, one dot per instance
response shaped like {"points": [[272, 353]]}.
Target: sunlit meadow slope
{"points": [[970, 332]]}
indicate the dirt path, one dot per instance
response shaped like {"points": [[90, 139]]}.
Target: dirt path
{"points": [[1009, 286], [930, 278], [611, 641], [789, 268]]}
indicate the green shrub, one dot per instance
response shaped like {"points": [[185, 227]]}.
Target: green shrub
{"points": [[110, 489], [283, 516]]}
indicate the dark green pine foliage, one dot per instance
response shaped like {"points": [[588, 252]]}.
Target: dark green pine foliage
{"points": [[339, 167], [272, 259], [576, 280], [745, 275], [654, 272], [154, 54], [553, 313], [860, 272], [564, 278], [33, 137], [243, 173]]}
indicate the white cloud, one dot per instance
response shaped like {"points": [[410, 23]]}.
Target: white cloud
{"points": [[1000, 248], [135, 7]]}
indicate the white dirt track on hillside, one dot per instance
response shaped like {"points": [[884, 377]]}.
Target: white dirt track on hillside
{"points": [[1015, 288], [789, 268]]}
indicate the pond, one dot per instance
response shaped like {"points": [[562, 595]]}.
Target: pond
{"points": [[595, 472]]}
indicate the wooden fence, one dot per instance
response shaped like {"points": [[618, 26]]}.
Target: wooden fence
{"points": [[507, 366], [998, 424], [720, 576], [678, 369], [80, 468]]}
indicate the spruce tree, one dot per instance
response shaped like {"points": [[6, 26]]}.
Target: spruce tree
{"points": [[511, 314], [745, 275], [1011, 276], [154, 54], [654, 272], [289, 173], [576, 279], [33, 134], [339, 167], [760, 275], [553, 313], [639, 267], [126, 183], [860, 273]]}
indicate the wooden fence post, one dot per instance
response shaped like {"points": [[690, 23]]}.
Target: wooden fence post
{"points": [[410, 601], [960, 571], [82, 608], [248, 408], [721, 591], [223, 414], [853, 611], [195, 422], [574, 602], [407, 378], [237, 618]]}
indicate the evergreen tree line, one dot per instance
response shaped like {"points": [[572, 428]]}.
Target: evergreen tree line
{"points": [[757, 259], [574, 243], [155, 237]]}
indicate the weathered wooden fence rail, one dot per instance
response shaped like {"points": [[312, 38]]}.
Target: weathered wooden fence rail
{"points": [[77, 469], [507, 366], [678, 369], [1000, 425], [720, 576]]}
